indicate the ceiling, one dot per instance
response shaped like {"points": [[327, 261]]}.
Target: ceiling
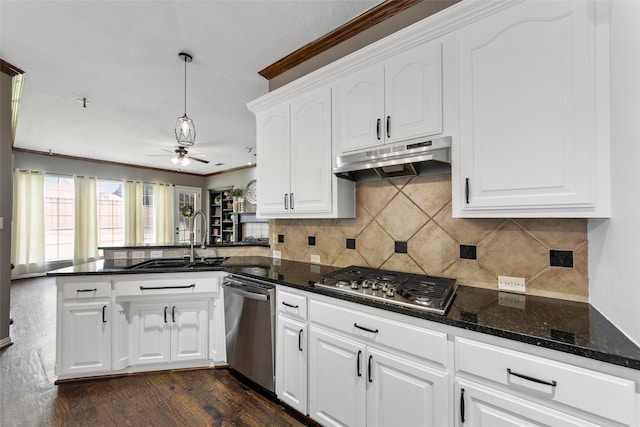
{"points": [[122, 56]]}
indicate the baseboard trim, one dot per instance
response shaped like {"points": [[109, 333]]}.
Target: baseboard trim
{"points": [[5, 342]]}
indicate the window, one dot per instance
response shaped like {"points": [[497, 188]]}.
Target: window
{"points": [[186, 196], [110, 213], [147, 213], [58, 217]]}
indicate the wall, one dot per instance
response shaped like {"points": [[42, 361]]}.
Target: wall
{"points": [[418, 211], [613, 262], [239, 178], [63, 166], [403, 19], [6, 206]]}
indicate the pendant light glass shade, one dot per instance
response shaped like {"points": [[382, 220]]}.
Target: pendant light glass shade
{"points": [[185, 129]]}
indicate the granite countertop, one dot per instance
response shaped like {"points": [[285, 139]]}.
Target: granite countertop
{"points": [[185, 245], [566, 326]]}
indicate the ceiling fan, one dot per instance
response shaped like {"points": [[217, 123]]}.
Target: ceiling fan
{"points": [[182, 157]]}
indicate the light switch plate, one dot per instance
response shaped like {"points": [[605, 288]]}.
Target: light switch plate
{"points": [[315, 259], [1, 222], [120, 255], [137, 254], [277, 254], [155, 254]]}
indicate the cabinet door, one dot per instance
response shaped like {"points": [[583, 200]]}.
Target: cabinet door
{"points": [[413, 93], [150, 336], [526, 109], [291, 363], [273, 159], [481, 406], [86, 337], [359, 110], [404, 393], [189, 330], [120, 337], [337, 374], [311, 160]]}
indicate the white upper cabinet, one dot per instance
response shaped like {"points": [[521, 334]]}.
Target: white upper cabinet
{"points": [[397, 100], [295, 178], [533, 138], [273, 159]]}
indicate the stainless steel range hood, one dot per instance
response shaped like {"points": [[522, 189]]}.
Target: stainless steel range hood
{"points": [[398, 160]]}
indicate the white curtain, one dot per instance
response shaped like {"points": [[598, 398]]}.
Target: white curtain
{"points": [[133, 221], [85, 240], [163, 213], [28, 223]]}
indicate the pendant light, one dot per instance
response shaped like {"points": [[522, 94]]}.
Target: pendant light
{"points": [[185, 129]]}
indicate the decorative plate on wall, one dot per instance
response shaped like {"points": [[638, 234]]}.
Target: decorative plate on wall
{"points": [[250, 192]]}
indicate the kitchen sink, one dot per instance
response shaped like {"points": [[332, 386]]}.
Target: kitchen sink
{"points": [[179, 264]]}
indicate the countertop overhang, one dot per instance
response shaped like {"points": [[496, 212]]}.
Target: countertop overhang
{"points": [[567, 326]]}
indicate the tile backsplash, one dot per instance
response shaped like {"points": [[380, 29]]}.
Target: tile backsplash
{"points": [[414, 214]]}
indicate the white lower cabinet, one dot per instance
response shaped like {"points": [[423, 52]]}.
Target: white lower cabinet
{"points": [[357, 380], [497, 386], [481, 406], [292, 348], [168, 332], [403, 392], [86, 337], [337, 387], [291, 363], [138, 322]]}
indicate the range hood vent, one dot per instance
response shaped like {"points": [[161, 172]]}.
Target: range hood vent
{"points": [[419, 158]]}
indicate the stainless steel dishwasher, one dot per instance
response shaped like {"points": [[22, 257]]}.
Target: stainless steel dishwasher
{"points": [[249, 306]]}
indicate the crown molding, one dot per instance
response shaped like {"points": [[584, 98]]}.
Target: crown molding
{"points": [[9, 69], [368, 19]]}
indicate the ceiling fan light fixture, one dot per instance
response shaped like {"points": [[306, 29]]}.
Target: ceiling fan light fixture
{"points": [[175, 160], [185, 161], [185, 129]]}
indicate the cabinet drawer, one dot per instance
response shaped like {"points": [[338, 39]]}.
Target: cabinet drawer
{"points": [[584, 389], [85, 290], [421, 342], [178, 284], [292, 304]]}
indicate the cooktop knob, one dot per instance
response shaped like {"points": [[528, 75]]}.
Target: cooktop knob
{"points": [[355, 284]]}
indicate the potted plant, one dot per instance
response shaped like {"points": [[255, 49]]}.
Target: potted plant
{"points": [[236, 194], [217, 199]]}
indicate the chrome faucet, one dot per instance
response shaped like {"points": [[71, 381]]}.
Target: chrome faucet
{"points": [[203, 233]]}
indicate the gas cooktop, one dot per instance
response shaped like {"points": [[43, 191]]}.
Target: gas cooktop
{"points": [[421, 292]]}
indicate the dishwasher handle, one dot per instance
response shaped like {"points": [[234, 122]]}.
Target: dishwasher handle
{"points": [[247, 294]]}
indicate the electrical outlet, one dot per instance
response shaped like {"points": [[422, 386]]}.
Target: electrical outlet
{"points": [[511, 284], [120, 255], [315, 259], [155, 254], [137, 254], [277, 254]]}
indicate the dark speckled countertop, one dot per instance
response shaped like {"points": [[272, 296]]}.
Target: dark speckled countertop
{"points": [[566, 326]]}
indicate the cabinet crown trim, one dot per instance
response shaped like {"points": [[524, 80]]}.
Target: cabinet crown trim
{"points": [[432, 27]]}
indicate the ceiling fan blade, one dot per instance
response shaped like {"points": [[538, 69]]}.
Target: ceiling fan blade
{"points": [[168, 151], [160, 155], [197, 159]]}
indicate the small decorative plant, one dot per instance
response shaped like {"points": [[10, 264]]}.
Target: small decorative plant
{"points": [[217, 199], [235, 192], [187, 211]]}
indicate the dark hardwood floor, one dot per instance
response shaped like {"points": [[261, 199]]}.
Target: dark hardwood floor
{"points": [[29, 397]]}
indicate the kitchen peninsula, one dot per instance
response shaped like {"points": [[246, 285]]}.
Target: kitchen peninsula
{"points": [[569, 340]]}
